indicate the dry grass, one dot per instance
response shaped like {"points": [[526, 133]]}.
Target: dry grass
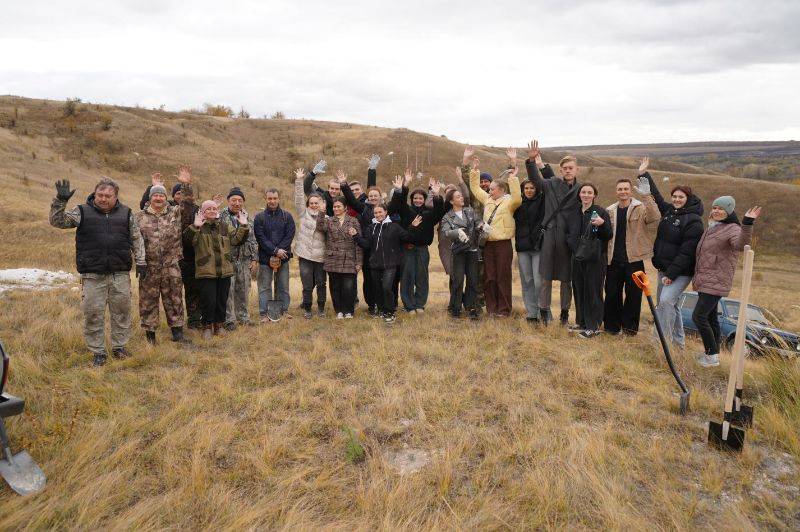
{"points": [[526, 428]]}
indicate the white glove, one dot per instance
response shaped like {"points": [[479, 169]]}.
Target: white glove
{"points": [[462, 236], [374, 160], [487, 228], [644, 186], [320, 167]]}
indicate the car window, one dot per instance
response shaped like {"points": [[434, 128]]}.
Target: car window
{"points": [[753, 312]]}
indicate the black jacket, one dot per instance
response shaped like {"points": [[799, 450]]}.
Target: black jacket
{"points": [[581, 221], [385, 243], [363, 209], [423, 236], [679, 232], [528, 218]]}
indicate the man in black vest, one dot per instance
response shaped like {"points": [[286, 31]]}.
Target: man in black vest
{"points": [[107, 242]]}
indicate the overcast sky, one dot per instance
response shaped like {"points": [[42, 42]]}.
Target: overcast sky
{"points": [[567, 72]]}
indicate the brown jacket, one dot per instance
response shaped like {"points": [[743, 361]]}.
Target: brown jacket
{"points": [[342, 254], [162, 233], [637, 244], [717, 256]]}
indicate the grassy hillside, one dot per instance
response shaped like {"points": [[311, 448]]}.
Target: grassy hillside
{"points": [[517, 427]]}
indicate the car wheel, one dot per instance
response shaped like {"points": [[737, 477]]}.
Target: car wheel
{"points": [[749, 352]]}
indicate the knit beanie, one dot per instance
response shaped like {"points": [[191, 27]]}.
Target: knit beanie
{"points": [[157, 189], [486, 176], [207, 204], [176, 189], [726, 203], [236, 191]]}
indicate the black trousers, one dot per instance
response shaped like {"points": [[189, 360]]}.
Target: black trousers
{"points": [[463, 266], [343, 291], [214, 299], [705, 317], [587, 287], [366, 285], [383, 289], [191, 291], [622, 313], [312, 275]]}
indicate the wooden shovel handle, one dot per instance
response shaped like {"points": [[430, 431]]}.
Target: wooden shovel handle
{"points": [[641, 280]]}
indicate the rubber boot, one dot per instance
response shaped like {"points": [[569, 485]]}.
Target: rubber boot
{"points": [[177, 336]]}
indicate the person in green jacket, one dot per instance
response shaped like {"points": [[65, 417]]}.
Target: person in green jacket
{"points": [[212, 240]]}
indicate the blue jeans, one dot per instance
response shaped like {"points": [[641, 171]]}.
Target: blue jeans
{"points": [[667, 310], [265, 279], [531, 280], [414, 286]]}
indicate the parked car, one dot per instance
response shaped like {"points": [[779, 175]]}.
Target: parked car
{"points": [[762, 336]]}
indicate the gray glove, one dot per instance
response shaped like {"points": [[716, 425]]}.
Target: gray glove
{"points": [[320, 167], [462, 236], [374, 160], [63, 192], [644, 186]]}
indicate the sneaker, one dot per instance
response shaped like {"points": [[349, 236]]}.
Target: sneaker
{"points": [[473, 314], [99, 360], [588, 334], [348, 316], [373, 311], [708, 361], [389, 318], [120, 353], [339, 316], [307, 314], [321, 313], [420, 311], [377, 315]]}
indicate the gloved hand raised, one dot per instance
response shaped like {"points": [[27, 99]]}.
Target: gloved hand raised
{"points": [[374, 160], [644, 186], [320, 167], [62, 190]]}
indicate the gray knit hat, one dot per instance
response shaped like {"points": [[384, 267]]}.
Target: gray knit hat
{"points": [[157, 189], [726, 203]]}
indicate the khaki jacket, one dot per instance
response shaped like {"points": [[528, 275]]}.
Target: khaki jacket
{"points": [[212, 247], [637, 243]]}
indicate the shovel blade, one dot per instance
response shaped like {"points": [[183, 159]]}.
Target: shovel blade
{"points": [[273, 309], [23, 475], [743, 417], [683, 405], [735, 441]]}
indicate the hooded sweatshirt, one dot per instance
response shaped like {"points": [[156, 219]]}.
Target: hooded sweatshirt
{"points": [[384, 240]]}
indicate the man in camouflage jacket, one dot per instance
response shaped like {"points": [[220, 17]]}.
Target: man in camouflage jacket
{"points": [[244, 258]]}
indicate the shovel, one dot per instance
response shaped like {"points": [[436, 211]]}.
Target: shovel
{"points": [[641, 280], [274, 305], [725, 435], [20, 471]]}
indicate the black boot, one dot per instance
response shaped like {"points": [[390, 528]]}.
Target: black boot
{"points": [[121, 353], [99, 360], [151, 337], [177, 336], [564, 317], [545, 316]]}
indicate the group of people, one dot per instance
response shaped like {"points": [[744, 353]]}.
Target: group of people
{"points": [[203, 257]]}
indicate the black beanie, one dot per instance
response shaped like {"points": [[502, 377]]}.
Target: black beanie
{"points": [[176, 189], [236, 191]]}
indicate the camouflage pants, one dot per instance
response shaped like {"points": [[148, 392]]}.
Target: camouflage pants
{"points": [[164, 283], [236, 309], [100, 291], [191, 291]]}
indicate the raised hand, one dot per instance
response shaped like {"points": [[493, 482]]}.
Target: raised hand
{"points": [[511, 153], [475, 163], [320, 167], [398, 182], [643, 166], [416, 221], [753, 212], [199, 220], [341, 177], [242, 217], [156, 179], [218, 199], [469, 151], [459, 175], [352, 231], [407, 176], [644, 186], [513, 172], [184, 174], [62, 190], [299, 173], [435, 186], [533, 150], [373, 161]]}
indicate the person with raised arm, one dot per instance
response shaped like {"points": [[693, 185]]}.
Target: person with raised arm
{"points": [[560, 203], [717, 257], [629, 247], [674, 251], [244, 258], [343, 257], [587, 237], [414, 283], [333, 191], [499, 204], [309, 245]]}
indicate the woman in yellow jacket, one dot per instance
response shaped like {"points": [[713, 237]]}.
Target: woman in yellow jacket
{"points": [[499, 205]]}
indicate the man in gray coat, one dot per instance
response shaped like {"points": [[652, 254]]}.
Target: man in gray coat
{"points": [[560, 202]]}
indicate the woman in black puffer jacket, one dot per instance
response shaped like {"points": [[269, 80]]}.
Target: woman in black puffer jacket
{"points": [[528, 219], [679, 231]]}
